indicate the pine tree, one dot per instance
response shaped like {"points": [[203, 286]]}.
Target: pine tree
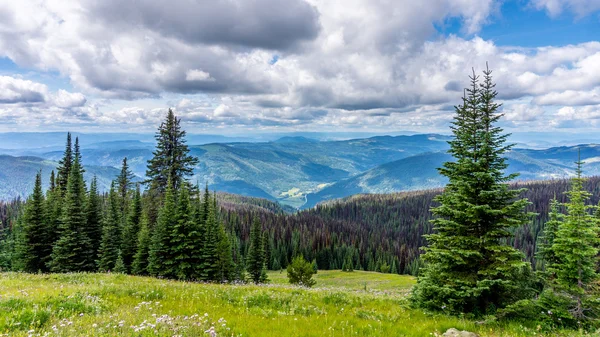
{"points": [[119, 265], [183, 238], [72, 251], [140, 261], [131, 229], [211, 240], [53, 209], [545, 251], [124, 184], [93, 211], [38, 247], [469, 266], [110, 245], [575, 247], [225, 265], [64, 167], [255, 261], [160, 262], [171, 160]]}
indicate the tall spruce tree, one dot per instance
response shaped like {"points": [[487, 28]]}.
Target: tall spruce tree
{"points": [[160, 261], [225, 265], [211, 237], [575, 247], [111, 233], [140, 261], [546, 241], [124, 185], [38, 247], [469, 265], [93, 209], [72, 252], [183, 237], [255, 261], [131, 229], [171, 160], [53, 210], [64, 167]]}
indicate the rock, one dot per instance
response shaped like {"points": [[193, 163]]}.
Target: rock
{"points": [[455, 333]]}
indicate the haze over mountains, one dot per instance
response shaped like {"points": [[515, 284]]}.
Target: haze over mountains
{"points": [[296, 170]]}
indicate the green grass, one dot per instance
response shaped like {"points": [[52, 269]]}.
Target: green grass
{"points": [[119, 305]]}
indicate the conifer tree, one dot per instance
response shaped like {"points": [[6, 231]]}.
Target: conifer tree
{"points": [[171, 160], [124, 184], [575, 247], [211, 240], [469, 266], [93, 211], [225, 265], [140, 261], [53, 209], [160, 261], [131, 229], [119, 265], [64, 166], [110, 245], [183, 237], [545, 250], [37, 246], [72, 251], [255, 261]]}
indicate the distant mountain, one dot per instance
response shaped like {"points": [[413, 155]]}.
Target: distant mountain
{"points": [[296, 139], [17, 175], [420, 172]]}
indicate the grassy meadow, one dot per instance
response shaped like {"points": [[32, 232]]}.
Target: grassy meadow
{"points": [[341, 304]]}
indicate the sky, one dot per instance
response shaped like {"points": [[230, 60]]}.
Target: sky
{"points": [[251, 66]]}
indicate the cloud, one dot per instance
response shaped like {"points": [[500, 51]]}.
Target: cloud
{"points": [[198, 75], [523, 112], [15, 91], [556, 7], [268, 63]]}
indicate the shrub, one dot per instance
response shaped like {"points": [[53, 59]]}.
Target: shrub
{"points": [[301, 272]]}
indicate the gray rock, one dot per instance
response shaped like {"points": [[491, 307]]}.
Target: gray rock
{"points": [[455, 333]]}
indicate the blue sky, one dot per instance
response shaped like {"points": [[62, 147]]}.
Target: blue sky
{"points": [[301, 65]]}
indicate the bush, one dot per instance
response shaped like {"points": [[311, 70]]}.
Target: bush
{"points": [[301, 272]]}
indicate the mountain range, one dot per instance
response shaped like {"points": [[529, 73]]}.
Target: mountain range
{"points": [[294, 170]]}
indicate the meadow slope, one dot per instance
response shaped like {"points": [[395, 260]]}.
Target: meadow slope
{"points": [[342, 304]]}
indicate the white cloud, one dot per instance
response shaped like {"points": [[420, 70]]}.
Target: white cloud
{"points": [[198, 75], [556, 7], [523, 112], [340, 63]]}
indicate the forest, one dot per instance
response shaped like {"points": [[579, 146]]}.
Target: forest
{"points": [[481, 246]]}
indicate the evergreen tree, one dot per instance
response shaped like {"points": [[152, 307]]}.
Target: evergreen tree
{"points": [[53, 209], [225, 265], [160, 261], [575, 247], [111, 233], [255, 261], [72, 251], [183, 237], [140, 261], [171, 160], [131, 230], [211, 240], [64, 167], [119, 265], [300, 272], [469, 266], [545, 250], [93, 211], [38, 247], [124, 184]]}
